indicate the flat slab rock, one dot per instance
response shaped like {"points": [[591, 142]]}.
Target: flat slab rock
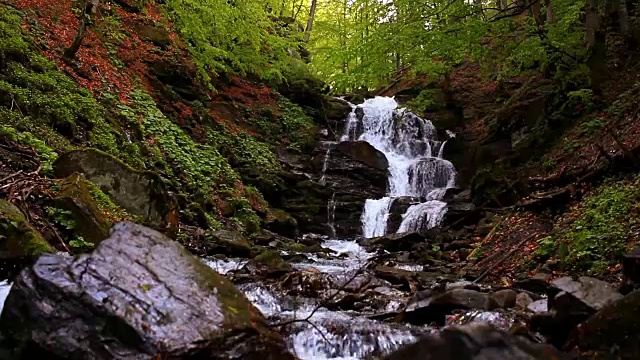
{"points": [[139, 295]]}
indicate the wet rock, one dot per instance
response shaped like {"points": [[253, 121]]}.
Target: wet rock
{"points": [[141, 193], [75, 196], [139, 295], [612, 333], [365, 153], [588, 293], [535, 285], [20, 243], [274, 263], [503, 299], [230, 243], [305, 283], [281, 223], [462, 284], [395, 242], [436, 307], [398, 208], [523, 300], [631, 269], [396, 277], [475, 341], [538, 306]]}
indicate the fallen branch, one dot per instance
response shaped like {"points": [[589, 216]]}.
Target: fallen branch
{"points": [[488, 237]]}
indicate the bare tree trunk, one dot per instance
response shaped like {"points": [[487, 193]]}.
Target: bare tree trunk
{"points": [[596, 46], [592, 22], [89, 7], [536, 11], [549, 7], [623, 15], [312, 15], [504, 4]]}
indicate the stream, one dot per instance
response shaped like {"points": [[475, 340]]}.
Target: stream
{"points": [[312, 331]]}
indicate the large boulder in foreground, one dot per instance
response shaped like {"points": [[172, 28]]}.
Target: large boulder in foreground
{"points": [[139, 295], [475, 341], [612, 333], [141, 193]]}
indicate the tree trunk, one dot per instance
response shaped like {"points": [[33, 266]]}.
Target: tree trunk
{"points": [[623, 16], [504, 4], [596, 46], [89, 7], [312, 15], [536, 11], [592, 22], [549, 7]]}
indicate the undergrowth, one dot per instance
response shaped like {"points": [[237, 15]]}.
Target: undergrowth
{"points": [[598, 232]]}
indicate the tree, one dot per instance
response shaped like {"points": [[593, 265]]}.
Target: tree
{"points": [[89, 7], [312, 15]]}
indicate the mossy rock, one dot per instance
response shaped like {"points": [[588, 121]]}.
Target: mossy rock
{"points": [[141, 193], [18, 239], [158, 36], [230, 243], [273, 261], [75, 196], [280, 222]]}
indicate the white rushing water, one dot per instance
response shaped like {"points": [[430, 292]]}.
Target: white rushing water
{"points": [[415, 167], [335, 335]]}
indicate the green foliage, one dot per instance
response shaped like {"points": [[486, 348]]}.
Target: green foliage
{"points": [[80, 243], [45, 153], [225, 36], [36, 97], [298, 128], [361, 43], [600, 236], [63, 218], [197, 171]]}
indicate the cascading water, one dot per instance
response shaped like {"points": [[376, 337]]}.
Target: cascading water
{"points": [[408, 142]]}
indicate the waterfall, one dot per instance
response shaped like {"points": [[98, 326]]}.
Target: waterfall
{"points": [[325, 164], [331, 212], [415, 168]]}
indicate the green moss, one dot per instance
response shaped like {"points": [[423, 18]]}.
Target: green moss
{"points": [[600, 231], [46, 154], [298, 128], [17, 237], [272, 260]]}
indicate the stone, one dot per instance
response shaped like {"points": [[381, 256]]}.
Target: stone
{"points": [[157, 35], [75, 196], [399, 207], [281, 223], [594, 294], [503, 299], [475, 341], [631, 268], [365, 153], [141, 193], [434, 308], [396, 277], [273, 262], [395, 242], [538, 306], [230, 243], [523, 300], [610, 333], [139, 295], [536, 285], [20, 242]]}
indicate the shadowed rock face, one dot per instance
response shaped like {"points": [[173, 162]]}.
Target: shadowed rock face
{"points": [[475, 341], [138, 295], [141, 193]]}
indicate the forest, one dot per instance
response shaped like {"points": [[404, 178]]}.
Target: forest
{"points": [[319, 179]]}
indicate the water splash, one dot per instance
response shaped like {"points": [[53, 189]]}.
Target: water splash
{"points": [[408, 142], [5, 287], [374, 217]]}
